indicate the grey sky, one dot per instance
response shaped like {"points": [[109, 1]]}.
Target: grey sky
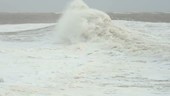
{"points": [[105, 5]]}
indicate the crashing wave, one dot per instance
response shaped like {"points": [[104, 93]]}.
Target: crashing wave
{"points": [[82, 23]]}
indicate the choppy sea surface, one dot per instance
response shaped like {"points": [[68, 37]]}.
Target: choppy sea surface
{"points": [[84, 53], [32, 64]]}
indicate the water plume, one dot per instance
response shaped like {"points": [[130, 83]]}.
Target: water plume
{"points": [[81, 23]]}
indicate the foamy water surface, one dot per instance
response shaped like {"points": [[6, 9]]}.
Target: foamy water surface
{"points": [[90, 56]]}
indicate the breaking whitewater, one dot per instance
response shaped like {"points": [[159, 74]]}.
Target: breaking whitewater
{"points": [[85, 54]]}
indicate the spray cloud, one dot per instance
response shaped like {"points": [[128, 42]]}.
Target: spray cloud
{"points": [[81, 23]]}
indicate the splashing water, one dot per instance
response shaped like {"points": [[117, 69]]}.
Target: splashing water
{"points": [[81, 23]]}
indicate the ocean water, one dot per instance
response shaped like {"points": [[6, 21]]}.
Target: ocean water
{"points": [[85, 53]]}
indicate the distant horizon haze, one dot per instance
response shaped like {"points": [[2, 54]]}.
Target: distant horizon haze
{"points": [[104, 5]]}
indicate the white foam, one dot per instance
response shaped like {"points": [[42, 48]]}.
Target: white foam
{"points": [[22, 27]]}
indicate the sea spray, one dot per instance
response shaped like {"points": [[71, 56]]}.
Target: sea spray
{"points": [[81, 23]]}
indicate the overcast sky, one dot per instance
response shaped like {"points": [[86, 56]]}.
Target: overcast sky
{"points": [[105, 5]]}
